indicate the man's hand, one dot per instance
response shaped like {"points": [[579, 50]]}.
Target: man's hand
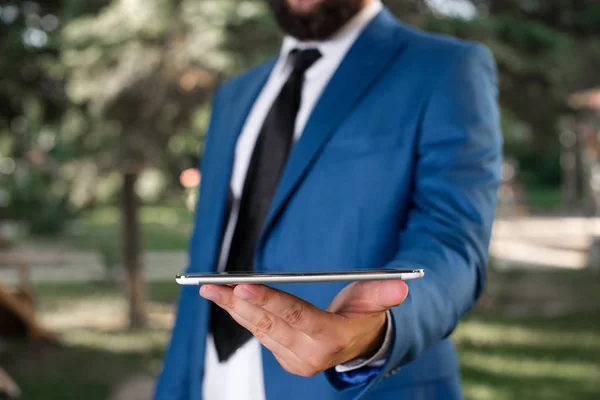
{"points": [[304, 339]]}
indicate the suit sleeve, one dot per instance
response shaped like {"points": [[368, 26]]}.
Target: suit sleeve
{"points": [[453, 202], [459, 161], [453, 205], [173, 381]]}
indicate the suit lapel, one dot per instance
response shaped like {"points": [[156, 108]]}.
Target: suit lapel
{"points": [[236, 106], [372, 52]]}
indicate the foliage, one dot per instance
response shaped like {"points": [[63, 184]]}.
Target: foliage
{"points": [[46, 212], [545, 50], [143, 70], [33, 109]]}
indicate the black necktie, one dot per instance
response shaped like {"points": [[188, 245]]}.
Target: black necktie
{"points": [[268, 159]]}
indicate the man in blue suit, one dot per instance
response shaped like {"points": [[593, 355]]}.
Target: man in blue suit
{"points": [[365, 144]]}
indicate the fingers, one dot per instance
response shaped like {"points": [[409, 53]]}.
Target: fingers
{"points": [[294, 350], [280, 351], [265, 326], [304, 339], [296, 312]]}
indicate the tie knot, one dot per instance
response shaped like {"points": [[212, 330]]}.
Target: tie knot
{"points": [[303, 59]]}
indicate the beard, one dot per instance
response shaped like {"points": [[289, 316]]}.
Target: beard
{"points": [[320, 23]]}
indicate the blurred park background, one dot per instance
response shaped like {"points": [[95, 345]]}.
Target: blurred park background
{"points": [[103, 109]]}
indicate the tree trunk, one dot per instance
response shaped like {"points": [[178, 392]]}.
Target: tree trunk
{"points": [[569, 162], [132, 251], [3, 244]]}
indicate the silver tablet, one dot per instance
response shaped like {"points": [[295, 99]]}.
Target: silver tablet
{"points": [[298, 277]]}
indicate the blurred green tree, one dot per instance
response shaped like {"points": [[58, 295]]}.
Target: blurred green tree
{"points": [[545, 51], [32, 109], [143, 70]]}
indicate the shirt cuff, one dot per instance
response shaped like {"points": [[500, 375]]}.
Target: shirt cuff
{"points": [[378, 359]]}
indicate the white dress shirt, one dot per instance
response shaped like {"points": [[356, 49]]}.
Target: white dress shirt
{"points": [[241, 377]]}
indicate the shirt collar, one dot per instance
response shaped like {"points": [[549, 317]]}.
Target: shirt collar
{"points": [[335, 48]]}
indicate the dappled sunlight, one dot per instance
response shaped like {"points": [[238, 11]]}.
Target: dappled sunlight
{"points": [[543, 242], [100, 323], [535, 227], [539, 358], [518, 252], [522, 367], [102, 313], [484, 392], [148, 214], [119, 341], [478, 333], [169, 217], [105, 215]]}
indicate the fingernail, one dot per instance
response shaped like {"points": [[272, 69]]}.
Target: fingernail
{"points": [[209, 295], [244, 294]]}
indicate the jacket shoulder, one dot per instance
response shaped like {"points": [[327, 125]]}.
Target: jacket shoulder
{"points": [[438, 48], [232, 84]]}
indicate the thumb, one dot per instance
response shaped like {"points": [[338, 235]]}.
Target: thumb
{"points": [[370, 296], [391, 293]]}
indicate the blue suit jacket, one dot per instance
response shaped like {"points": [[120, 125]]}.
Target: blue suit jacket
{"points": [[398, 166]]}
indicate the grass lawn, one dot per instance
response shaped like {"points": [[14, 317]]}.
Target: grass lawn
{"points": [[163, 228], [535, 358], [95, 355], [51, 295], [543, 199]]}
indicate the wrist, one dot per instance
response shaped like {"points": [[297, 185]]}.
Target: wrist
{"points": [[374, 339]]}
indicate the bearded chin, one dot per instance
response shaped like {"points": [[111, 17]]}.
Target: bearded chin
{"points": [[320, 24]]}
